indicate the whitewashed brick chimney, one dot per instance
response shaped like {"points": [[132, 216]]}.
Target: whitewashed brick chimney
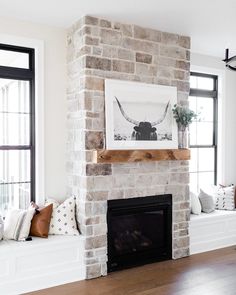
{"points": [[100, 49]]}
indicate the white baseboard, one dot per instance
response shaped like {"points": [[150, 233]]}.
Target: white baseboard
{"points": [[40, 264]]}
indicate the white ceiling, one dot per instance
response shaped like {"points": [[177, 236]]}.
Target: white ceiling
{"points": [[210, 23]]}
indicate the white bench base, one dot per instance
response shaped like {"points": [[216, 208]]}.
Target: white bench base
{"points": [[40, 264], [212, 231]]}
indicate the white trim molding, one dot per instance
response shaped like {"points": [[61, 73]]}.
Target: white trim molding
{"points": [[41, 263], [210, 231]]}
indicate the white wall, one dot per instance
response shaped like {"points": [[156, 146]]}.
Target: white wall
{"points": [[227, 117], [55, 103], [230, 127], [54, 40]]}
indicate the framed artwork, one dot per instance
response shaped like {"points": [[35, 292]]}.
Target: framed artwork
{"points": [[139, 115]]}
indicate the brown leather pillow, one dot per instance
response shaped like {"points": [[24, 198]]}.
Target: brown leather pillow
{"points": [[41, 221]]}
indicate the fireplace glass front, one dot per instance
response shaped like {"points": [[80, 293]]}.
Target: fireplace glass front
{"points": [[139, 231]]}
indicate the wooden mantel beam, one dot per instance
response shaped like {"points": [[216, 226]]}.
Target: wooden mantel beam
{"points": [[119, 156]]}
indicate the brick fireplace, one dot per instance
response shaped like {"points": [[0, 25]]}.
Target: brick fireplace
{"points": [[100, 49]]}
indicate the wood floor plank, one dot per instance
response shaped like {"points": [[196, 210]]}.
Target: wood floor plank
{"points": [[210, 273]]}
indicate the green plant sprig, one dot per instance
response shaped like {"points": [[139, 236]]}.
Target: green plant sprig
{"points": [[183, 116]]}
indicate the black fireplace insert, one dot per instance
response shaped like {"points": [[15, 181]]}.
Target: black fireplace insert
{"points": [[139, 231]]}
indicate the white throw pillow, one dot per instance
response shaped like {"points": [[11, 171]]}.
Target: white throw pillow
{"points": [[207, 201], [196, 207], [17, 224], [63, 220], [1, 228]]}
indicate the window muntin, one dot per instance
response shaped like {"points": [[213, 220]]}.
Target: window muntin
{"points": [[203, 131], [17, 132]]}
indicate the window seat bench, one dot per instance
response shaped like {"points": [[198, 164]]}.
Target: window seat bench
{"points": [[40, 263], [212, 231]]}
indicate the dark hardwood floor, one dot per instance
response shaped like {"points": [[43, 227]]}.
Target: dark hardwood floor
{"points": [[210, 273]]}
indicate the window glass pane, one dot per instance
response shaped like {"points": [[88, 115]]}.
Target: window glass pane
{"points": [[193, 103], [14, 112], [205, 109], [15, 166], [14, 59], [203, 83], [205, 178], [204, 133], [14, 129], [14, 96], [193, 82], [193, 133], [193, 166], [206, 159], [14, 196], [194, 182]]}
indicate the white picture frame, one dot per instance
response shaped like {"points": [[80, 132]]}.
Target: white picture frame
{"points": [[127, 104]]}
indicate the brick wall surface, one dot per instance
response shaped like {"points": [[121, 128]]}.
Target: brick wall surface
{"points": [[100, 49]]}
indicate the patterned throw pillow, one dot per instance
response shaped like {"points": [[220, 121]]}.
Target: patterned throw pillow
{"points": [[17, 224], [63, 220], [225, 198]]}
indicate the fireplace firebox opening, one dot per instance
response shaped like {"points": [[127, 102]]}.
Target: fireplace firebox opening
{"points": [[139, 231]]}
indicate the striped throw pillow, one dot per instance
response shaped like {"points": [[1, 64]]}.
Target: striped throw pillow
{"points": [[17, 224]]}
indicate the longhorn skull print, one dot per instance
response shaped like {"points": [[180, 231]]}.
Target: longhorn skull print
{"points": [[143, 130]]}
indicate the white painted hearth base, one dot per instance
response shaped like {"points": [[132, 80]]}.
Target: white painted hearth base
{"points": [[212, 231], [41, 263]]}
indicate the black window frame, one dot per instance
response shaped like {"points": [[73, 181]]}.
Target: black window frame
{"points": [[214, 95], [24, 74]]}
